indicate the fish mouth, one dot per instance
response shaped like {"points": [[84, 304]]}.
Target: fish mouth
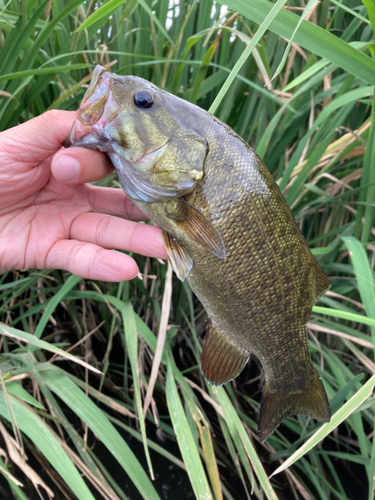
{"points": [[81, 136], [97, 110]]}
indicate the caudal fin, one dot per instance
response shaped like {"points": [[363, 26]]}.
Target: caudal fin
{"points": [[276, 405]]}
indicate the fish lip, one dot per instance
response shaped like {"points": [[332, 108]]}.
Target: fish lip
{"points": [[90, 140]]}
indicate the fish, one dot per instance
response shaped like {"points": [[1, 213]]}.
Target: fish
{"points": [[227, 230]]}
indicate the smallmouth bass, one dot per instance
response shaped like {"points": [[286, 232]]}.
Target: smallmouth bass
{"points": [[227, 230]]}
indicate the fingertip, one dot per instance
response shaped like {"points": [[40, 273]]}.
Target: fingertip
{"points": [[118, 267], [80, 165], [65, 168], [91, 262]]}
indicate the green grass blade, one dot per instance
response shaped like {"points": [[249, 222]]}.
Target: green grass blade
{"points": [[307, 9], [185, 439], [309, 36], [337, 418], [39, 433], [344, 315], [36, 343], [12, 48], [370, 7], [102, 428], [231, 415], [246, 53], [21, 393], [162, 29], [131, 340], [368, 177], [70, 283], [364, 277], [102, 12], [41, 71]]}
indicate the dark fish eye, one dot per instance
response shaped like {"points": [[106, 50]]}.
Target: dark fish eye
{"points": [[143, 99]]}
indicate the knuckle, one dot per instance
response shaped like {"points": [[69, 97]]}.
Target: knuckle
{"points": [[102, 230], [94, 262]]}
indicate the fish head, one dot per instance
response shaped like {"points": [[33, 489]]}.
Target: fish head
{"points": [[141, 128]]}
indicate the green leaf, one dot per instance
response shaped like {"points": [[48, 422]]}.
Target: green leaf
{"points": [[104, 11], [39, 433], [102, 428], [235, 426], [32, 340], [337, 418], [344, 315], [364, 276], [370, 7], [147, 8], [309, 36], [131, 340], [70, 283], [42, 71], [246, 53], [309, 6], [185, 439], [18, 391]]}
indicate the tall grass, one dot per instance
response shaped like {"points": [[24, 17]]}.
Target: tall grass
{"points": [[297, 82]]}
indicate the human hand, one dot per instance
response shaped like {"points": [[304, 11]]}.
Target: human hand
{"points": [[49, 217]]}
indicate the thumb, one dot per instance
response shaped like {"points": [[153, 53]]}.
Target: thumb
{"points": [[39, 138]]}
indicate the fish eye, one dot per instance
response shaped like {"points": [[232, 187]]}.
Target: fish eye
{"points": [[143, 99]]}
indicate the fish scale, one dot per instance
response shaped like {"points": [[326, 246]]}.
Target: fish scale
{"points": [[227, 229]]}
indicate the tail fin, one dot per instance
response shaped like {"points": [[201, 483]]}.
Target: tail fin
{"points": [[276, 405]]}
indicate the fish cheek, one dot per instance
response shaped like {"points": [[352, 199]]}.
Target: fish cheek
{"points": [[182, 164]]}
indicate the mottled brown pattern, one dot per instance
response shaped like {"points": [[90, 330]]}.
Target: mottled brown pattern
{"points": [[259, 298]]}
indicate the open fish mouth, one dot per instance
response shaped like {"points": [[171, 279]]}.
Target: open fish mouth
{"points": [[97, 110], [81, 136]]}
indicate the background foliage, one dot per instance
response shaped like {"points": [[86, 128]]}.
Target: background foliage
{"points": [[100, 384]]}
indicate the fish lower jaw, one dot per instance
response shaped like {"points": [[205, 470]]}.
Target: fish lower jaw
{"points": [[92, 140]]}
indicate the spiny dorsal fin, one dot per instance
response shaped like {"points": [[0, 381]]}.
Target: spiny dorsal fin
{"points": [[180, 259], [221, 359], [276, 405]]}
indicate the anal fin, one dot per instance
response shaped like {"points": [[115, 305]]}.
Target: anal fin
{"points": [[310, 400], [180, 259], [222, 360]]}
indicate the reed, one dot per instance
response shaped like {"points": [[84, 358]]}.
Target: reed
{"points": [[297, 82]]}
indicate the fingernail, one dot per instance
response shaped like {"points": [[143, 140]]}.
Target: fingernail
{"points": [[66, 168]]}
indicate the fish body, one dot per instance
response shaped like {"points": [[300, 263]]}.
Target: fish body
{"points": [[227, 229]]}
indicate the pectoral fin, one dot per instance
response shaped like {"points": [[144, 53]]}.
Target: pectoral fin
{"points": [[180, 259], [222, 360], [196, 226]]}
